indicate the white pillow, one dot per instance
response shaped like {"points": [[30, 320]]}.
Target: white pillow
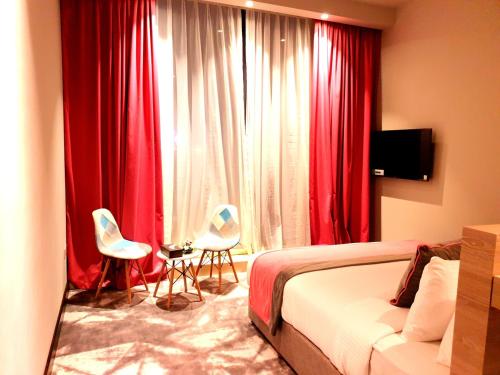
{"points": [[434, 302], [444, 355]]}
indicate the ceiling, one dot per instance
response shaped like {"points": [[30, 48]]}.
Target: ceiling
{"points": [[377, 14], [384, 3]]}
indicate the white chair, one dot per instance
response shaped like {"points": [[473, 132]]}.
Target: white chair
{"points": [[223, 234], [112, 245]]}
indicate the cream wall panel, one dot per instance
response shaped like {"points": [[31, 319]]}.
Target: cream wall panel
{"points": [[32, 202], [440, 70]]}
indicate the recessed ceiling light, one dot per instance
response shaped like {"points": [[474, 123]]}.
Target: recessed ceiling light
{"points": [[324, 16], [283, 40], [249, 4], [220, 31]]}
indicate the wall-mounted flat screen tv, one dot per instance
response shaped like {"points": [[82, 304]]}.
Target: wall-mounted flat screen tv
{"points": [[407, 154]]}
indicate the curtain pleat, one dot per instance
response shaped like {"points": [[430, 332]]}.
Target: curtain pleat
{"points": [[344, 87], [277, 120], [111, 128], [202, 110]]}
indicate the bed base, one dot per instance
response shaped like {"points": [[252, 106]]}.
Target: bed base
{"points": [[296, 349]]}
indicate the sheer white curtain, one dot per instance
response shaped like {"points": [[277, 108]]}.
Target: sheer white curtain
{"points": [[200, 52], [277, 119]]}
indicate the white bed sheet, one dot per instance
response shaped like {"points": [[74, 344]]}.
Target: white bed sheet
{"points": [[345, 311], [395, 356]]}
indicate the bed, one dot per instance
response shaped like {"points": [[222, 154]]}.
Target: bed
{"points": [[338, 320]]}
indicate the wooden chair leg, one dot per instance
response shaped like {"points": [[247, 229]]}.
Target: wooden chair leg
{"points": [[220, 271], [195, 281], [184, 276], [103, 276], [127, 278], [211, 264], [172, 270], [142, 274], [232, 265], [159, 278], [200, 264]]}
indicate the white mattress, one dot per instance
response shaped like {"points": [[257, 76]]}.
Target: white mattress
{"points": [[345, 311], [393, 355]]}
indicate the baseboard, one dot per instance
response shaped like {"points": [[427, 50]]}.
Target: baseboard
{"points": [[57, 331]]}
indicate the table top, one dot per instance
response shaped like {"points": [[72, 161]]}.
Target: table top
{"points": [[194, 254]]}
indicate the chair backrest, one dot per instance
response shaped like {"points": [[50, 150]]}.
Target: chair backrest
{"points": [[225, 222], [106, 229]]}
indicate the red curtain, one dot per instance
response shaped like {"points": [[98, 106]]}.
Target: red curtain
{"points": [[111, 126], [346, 63]]}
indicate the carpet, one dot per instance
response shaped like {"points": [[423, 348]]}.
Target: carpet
{"points": [[215, 336]]}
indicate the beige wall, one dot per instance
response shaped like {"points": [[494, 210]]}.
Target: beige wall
{"points": [[440, 69], [32, 205]]}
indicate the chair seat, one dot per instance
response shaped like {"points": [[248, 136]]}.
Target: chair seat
{"points": [[124, 249], [212, 242]]}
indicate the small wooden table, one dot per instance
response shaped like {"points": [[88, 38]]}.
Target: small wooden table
{"points": [[187, 271]]}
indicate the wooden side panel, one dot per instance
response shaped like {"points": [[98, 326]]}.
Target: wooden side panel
{"points": [[492, 351], [495, 295], [475, 340]]}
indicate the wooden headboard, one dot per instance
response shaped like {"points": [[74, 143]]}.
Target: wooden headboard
{"points": [[476, 338]]}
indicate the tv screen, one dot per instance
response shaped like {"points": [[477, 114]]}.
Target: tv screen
{"points": [[402, 154]]}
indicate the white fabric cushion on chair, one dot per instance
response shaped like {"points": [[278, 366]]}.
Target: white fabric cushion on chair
{"points": [[125, 249], [213, 242], [434, 302], [445, 349], [110, 241], [224, 230]]}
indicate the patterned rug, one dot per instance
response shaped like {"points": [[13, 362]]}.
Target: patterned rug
{"points": [[108, 336]]}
